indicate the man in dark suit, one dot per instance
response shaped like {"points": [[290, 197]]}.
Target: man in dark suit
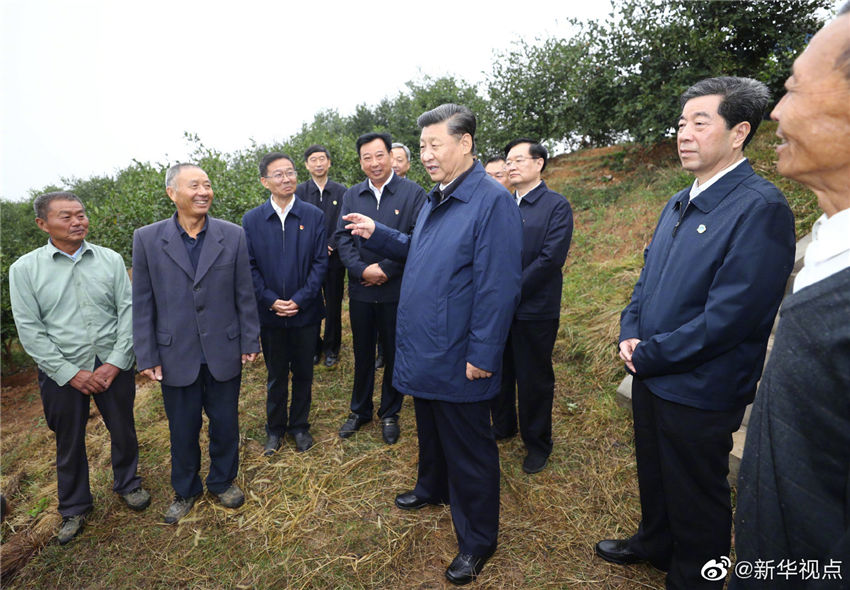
{"points": [[528, 379], [374, 281], [326, 194], [695, 332], [289, 257], [194, 326]]}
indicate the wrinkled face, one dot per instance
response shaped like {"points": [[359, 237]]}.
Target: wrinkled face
{"points": [[814, 114], [192, 192], [318, 164], [497, 170], [66, 222], [705, 145], [375, 161], [281, 178], [400, 162], [443, 155], [523, 169]]}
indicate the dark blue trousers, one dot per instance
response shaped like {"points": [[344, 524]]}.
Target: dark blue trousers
{"points": [[285, 351], [67, 411], [183, 405], [682, 462], [365, 318], [459, 464], [528, 372]]}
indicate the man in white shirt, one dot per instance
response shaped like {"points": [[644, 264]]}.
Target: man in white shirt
{"points": [[793, 493]]}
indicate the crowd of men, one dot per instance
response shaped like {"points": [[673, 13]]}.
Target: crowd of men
{"points": [[461, 287]]}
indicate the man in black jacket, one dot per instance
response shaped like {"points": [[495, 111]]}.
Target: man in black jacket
{"points": [[327, 196], [374, 282], [547, 228]]}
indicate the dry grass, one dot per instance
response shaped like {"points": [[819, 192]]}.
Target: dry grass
{"points": [[325, 518]]}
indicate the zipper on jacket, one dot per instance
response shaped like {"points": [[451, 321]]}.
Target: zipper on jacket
{"points": [[678, 205]]}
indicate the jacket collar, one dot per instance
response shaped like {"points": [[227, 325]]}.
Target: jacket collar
{"points": [[714, 195], [467, 187], [535, 193], [268, 211], [176, 250]]}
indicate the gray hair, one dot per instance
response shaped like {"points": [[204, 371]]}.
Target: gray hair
{"points": [[404, 147], [744, 99], [459, 120], [41, 204], [171, 174]]}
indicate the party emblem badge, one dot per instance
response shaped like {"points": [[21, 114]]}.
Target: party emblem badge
{"points": [[396, 211]]}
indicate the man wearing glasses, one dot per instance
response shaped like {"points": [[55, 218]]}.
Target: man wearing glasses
{"points": [[528, 380], [288, 251]]}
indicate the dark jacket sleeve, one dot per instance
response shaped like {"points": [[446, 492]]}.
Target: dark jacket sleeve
{"points": [[265, 296], [246, 304], [553, 254], [496, 271], [753, 269], [394, 267], [346, 245], [144, 309], [388, 242], [318, 266]]}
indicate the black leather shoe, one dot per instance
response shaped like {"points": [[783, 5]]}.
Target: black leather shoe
{"points": [[379, 362], [534, 463], [390, 430], [410, 501], [465, 568], [303, 441], [617, 551], [331, 359], [272, 445], [316, 358], [352, 425]]}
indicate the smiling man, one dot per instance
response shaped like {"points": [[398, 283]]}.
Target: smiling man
{"points": [[695, 332], [289, 258], [374, 281], [793, 494], [457, 299], [194, 326], [71, 304]]}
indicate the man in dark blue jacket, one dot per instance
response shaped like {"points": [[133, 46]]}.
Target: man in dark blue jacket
{"points": [[695, 332], [327, 196], [457, 299], [374, 281], [528, 380], [289, 258]]}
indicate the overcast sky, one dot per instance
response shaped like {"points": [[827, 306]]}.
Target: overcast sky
{"points": [[86, 86]]}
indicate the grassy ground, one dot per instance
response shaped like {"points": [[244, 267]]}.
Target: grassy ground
{"points": [[325, 519]]}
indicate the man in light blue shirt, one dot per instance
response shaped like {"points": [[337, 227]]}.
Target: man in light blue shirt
{"points": [[72, 308]]}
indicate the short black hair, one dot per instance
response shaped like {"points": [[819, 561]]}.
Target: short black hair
{"points": [[535, 148], [744, 99], [41, 204], [315, 148], [492, 159], [271, 157], [370, 137], [460, 120]]}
